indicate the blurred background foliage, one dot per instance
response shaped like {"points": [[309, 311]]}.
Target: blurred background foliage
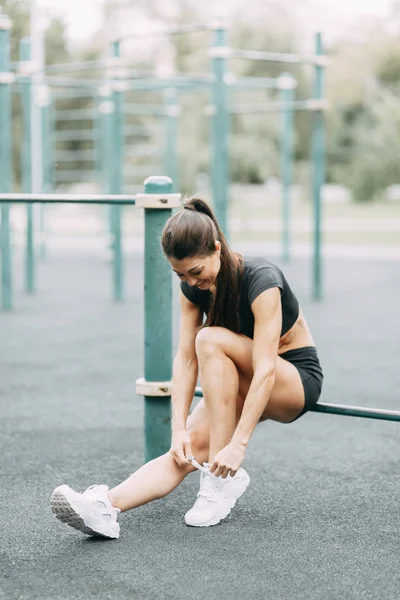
{"points": [[362, 85]]}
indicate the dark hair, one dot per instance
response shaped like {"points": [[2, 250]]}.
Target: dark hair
{"points": [[193, 232]]}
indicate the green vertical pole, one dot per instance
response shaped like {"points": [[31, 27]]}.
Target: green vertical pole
{"points": [[46, 141], [105, 107], [220, 129], [286, 93], [52, 142], [157, 323], [101, 163], [171, 135], [47, 166], [116, 173], [26, 99], [5, 160], [318, 170], [40, 96]]}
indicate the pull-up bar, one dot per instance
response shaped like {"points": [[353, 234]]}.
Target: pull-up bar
{"points": [[296, 105], [342, 409], [121, 199], [166, 32], [292, 59]]}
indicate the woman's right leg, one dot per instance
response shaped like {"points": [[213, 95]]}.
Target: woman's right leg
{"points": [[160, 476]]}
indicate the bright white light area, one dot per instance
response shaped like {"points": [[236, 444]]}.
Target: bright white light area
{"points": [[82, 17]]}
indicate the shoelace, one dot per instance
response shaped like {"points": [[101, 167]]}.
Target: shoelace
{"points": [[93, 492], [197, 465], [209, 484], [95, 496]]}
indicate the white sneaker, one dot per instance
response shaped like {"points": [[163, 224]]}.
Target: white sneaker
{"points": [[90, 512], [216, 497]]}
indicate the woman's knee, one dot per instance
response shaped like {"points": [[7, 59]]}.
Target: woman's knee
{"points": [[199, 440], [207, 342]]}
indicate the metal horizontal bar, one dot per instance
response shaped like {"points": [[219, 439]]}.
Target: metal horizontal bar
{"points": [[174, 82], [287, 58], [93, 65], [173, 31], [74, 155], [72, 135], [296, 105], [358, 411], [342, 409], [67, 198], [252, 82], [127, 83]]}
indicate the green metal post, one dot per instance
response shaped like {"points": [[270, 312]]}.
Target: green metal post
{"points": [[5, 160], [157, 323], [286, 93], [100, 146], [318, 170], [26, 99], [47, 165], [220, 129], [105, 107], [47, 146], [171, 135], [115, 157]]}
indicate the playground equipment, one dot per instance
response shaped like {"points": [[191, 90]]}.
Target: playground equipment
{"points": [[158, 202], [110, 128], [316, 105]]}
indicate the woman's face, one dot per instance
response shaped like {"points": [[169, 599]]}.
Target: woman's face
{"points": [[199, 271]]}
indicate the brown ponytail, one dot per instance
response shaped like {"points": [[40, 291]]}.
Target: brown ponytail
{"points": [[193, 232]]}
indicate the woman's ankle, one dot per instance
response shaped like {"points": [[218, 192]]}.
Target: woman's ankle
{"points": [[114, 501]]}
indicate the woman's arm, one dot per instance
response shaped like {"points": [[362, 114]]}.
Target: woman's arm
{"points": [[185, 366], [267, 312]]}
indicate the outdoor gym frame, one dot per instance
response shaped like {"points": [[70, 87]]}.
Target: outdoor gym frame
{"points": [[158, 202], [156, 385], [219, 83]]}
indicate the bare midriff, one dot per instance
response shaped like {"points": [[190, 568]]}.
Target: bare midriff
{"points": [[297, 337]]}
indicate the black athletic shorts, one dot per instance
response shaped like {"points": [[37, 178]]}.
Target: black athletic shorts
{"points": [[307, 363]]}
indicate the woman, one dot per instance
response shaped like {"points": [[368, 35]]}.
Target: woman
{"points": [[256, 359]]}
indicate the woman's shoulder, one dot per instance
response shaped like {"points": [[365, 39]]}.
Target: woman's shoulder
{"points": [[260, 269], [253, 262]]}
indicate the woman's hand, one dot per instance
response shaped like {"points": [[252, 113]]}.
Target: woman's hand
{"points": [[228, 460], [181, 448]]}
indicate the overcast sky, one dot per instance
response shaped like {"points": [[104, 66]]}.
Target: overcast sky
{"points": [[327, 14]]}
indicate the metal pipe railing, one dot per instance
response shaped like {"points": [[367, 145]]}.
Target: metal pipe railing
{"points": [[342, 409]]}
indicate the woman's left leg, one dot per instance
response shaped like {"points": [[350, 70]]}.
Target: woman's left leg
{"points": [[226, 372]]}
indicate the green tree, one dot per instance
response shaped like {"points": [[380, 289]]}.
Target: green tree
{"points": [[375, 162]]}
